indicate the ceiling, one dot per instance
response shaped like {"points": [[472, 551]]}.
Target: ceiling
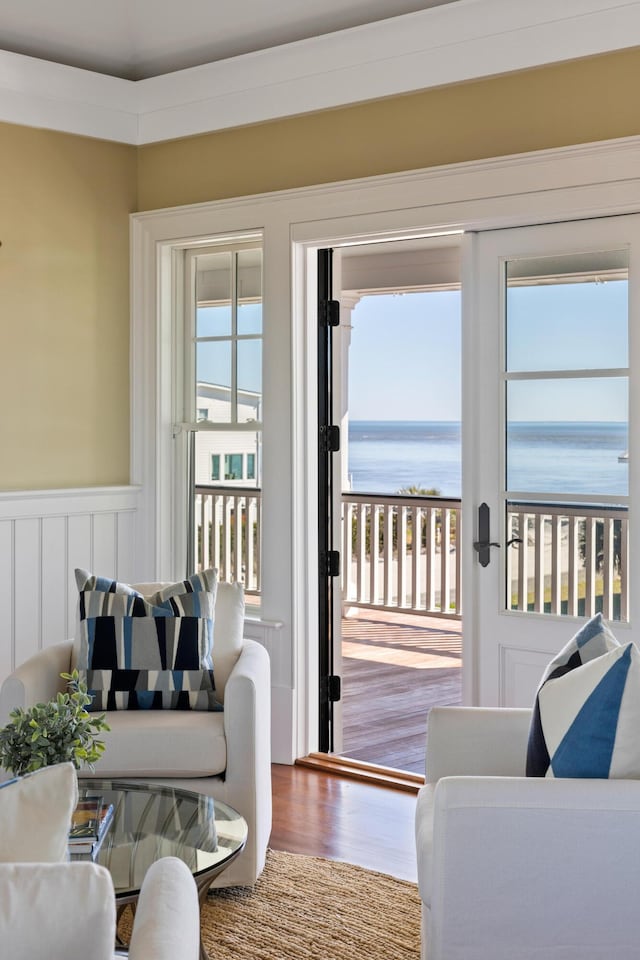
{"points": [[138, 39]]}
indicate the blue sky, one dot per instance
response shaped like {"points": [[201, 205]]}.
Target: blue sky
{"points": [[404, 361]]}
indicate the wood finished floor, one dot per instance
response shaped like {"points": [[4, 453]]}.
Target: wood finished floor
{"points": [[394, 669], [323, 815]]}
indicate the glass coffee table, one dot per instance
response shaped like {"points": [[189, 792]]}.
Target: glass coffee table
{"points": [[152, 821]]}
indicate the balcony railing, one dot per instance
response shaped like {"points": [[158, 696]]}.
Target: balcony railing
{"points": [[573, 560], [402, 552], [228, 533]]}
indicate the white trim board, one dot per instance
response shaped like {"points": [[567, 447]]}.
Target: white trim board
{"points": [[441, 45]]}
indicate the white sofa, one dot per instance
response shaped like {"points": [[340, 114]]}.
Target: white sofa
{"points": [[517, 868], [225, 755], [66, 911]]}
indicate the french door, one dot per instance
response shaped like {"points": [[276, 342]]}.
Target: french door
{"points": [[550, 342]]}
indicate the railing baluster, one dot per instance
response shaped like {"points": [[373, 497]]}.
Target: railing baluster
{"points": [[607, 569], [556, 563], [416, 557], [401, 554], [458, 555], [361, 550], [374, 555], [572, 573], [590, 567], [624, 566], [523, 563], [445, 572], [388, 555], [430, 557], [538, 564]]}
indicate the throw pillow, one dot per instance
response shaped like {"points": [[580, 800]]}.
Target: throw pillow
{"points": [[35, 813], [147, 653], [587, 709]]}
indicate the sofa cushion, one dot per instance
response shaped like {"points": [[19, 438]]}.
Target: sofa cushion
{"points": [[35, 814], [141, 653], [56, 910], [168, 743], [587, 709]]}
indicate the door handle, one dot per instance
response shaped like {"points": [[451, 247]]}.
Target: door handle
{"points": [[484, 543]]}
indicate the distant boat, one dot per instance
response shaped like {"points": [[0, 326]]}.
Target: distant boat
{"points": [[624, 457]]}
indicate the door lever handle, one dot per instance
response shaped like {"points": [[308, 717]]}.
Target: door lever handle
{"points": [[484, 542], [513, 540]]}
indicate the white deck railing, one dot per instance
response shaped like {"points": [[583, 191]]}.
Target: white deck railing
{"points": [[401, 553], [228, 533], [574, 560]]}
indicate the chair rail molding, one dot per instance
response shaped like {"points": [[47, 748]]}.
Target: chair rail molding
{"points": [[44, 536]]}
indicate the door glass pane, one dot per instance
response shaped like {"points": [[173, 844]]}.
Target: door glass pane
{"points": [[568, 436], [213, 380], [567, 313], [213, 295]]}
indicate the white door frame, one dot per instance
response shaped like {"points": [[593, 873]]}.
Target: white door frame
{"points": [[595, 180]]}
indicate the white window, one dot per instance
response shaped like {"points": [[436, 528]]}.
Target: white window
{"points": [[223, 406]]}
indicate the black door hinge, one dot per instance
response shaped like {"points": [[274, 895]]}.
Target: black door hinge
{"points": [[333, 689], [329, 313], [330, 564], [329, 439]]}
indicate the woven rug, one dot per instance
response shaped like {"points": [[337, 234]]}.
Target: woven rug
{"points": [[307, 908]]}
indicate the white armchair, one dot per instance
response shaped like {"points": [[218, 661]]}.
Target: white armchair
{"points": [[517, 868], [50, 911], [224, 755]]}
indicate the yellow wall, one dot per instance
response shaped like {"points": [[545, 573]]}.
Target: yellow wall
{"points": [[65, 201], [64, 307], [576, 102]]}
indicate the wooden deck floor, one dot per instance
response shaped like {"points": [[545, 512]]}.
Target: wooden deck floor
{"points": [[394, 669]]}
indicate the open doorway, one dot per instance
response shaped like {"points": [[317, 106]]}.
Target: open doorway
{"points": [[396, 395]]}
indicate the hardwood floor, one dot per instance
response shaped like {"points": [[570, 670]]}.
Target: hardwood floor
{"points": [[395, 668], [327, 816]]}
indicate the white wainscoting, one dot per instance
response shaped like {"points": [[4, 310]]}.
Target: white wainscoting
{"points": [[44, 536]]}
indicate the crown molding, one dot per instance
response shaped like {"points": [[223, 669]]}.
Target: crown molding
{"points": [[441, 45]]}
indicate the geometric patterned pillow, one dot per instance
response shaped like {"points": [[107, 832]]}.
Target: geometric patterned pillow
{"points": [[153, 653], [586, 715]]}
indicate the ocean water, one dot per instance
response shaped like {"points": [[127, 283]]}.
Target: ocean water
{"points": [[387, 456]]}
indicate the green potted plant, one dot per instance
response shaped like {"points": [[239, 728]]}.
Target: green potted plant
{"points": [[53, 732]]}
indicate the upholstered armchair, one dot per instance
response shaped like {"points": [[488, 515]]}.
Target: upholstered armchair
{"points": [[521, 868], [68, 910], [226, 755]]}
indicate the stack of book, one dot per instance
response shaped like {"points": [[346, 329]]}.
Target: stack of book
{"points": [[89, 824]]}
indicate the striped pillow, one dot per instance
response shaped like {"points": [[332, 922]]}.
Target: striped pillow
{"points": [[153, 653]]}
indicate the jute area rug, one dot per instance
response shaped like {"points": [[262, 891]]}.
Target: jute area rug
{"points": [[308, 908]]}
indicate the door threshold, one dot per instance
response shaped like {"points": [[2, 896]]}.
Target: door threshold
{"points": [[360, 770]]}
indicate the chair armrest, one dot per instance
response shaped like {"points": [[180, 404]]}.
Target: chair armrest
{"points": [[247, 726], [167, 920], [56, 909], [477, 741], [36, 680], [521, 867]]}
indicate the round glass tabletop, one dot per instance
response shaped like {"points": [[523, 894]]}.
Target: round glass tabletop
{"points": [[152, 821]]}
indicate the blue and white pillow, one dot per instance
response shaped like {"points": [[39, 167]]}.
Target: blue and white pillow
{"points": [[586, 716], [153, 653]]}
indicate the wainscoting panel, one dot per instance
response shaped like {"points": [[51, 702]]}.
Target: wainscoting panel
{"points": [[520, 674], [44, 536]]}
